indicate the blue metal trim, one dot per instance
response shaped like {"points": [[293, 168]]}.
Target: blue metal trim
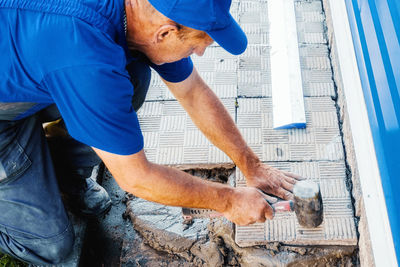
{"points": [[375, 28], [297, 125]]}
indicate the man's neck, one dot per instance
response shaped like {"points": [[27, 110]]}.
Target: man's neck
{"points": [[137, 25]]}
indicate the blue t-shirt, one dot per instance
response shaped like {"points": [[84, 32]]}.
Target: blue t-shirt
{"points": [[73, 53]]}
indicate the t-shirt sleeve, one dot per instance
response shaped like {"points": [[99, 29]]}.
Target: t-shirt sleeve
{"points": [[174, 72], [95, 103]]}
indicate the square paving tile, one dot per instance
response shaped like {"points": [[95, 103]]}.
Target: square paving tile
{"points": [[320, 140], [337, 228], [171, 138], [310, 22]]}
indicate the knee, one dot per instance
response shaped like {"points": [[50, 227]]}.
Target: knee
{"points": [[52, 251], [48, 251], [56, 252]]}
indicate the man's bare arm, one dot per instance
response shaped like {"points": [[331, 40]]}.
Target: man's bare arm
{"points": [[212, 118], [173, 187]]}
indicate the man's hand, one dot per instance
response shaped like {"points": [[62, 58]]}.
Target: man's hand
{"points": [[272, 181], [248, 206]]}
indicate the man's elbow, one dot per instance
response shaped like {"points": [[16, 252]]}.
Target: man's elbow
{"points": [[128, 171], [131, 180]]}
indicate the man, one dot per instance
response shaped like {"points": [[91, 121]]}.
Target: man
{"points": [[75, 58]]}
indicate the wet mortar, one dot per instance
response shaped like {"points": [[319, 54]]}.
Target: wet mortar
{"points": [[140, 233]]}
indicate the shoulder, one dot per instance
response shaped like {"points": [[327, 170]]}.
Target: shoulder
{"points": [[65, 34], [112, 10]]}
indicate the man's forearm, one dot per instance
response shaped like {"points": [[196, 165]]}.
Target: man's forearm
{"points": [[173, 187], [166, 185]]}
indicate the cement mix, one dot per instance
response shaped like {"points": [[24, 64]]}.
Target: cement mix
{"points": [[211, 242]]}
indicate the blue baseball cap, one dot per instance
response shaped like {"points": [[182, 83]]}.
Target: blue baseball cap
{"points": [[210, 16]]}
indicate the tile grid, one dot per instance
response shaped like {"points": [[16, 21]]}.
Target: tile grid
{"points": [[244, 85]]}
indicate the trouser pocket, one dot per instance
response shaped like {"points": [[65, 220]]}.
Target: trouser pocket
{"points": [[13, 159]]}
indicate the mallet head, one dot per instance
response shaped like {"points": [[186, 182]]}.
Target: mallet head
{"points": [[308, 203]]}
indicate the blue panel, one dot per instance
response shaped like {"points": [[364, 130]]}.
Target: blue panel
{"points": [[375, 27]]}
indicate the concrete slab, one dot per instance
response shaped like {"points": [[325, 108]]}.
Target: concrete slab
{"points": [[171, 138], [163, 225], [338, 227]]}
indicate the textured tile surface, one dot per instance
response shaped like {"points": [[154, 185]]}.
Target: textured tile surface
{"points": [[310, 25], [338, 226], [320, 140], [170, 137]]}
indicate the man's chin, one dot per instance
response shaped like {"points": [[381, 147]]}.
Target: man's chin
{"points": [[162, 62], [158, 63]]}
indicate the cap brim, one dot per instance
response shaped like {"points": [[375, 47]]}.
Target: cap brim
{"points": [[231, 38]]}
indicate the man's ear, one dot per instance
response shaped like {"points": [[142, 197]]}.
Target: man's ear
{"points": [[165, 31]]}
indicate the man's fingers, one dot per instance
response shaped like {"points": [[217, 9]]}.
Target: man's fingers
{"points": [[290, 180], [292, 175], [271, 199], [269, 213], [284, 194], [268, 198], [288, 186]]}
